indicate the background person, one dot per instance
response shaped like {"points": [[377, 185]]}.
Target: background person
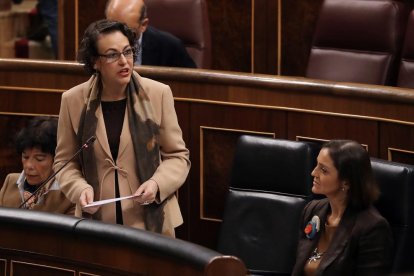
{"points": [[48, 10], [154, 47], [36, 144], [139, 147], [343, 234]]}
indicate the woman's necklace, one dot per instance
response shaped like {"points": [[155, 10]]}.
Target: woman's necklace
{"points": [[316, 255]]}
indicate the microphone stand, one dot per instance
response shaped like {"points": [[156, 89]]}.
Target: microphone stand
{"points": [[42, 184]]}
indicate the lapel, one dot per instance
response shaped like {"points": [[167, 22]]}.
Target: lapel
{"points": [[322, 213], [339, 240], [306, 246], [101, 133], [125, 138]]}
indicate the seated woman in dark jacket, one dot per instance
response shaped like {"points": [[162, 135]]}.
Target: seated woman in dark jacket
{"points": [[343, 234], [36, 145]]}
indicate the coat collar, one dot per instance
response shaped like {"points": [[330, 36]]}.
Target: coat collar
{"points": [[339, 241], [101, 136], [306, 246]]}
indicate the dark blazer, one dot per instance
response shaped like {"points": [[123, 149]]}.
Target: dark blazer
{"points": [[163, 49], [362, 243]]}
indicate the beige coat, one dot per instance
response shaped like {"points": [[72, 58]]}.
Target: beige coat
{"points": [[170, 174], [53, 201]]}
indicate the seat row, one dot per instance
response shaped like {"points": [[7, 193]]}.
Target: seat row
{"points": [[364, 41], [271, 183]]}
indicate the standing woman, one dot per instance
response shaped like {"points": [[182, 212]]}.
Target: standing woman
{"points": [[139, 148], [343, 234], [36, 145]]}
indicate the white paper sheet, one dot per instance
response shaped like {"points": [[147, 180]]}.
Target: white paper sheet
{"points": [[106, 201]]}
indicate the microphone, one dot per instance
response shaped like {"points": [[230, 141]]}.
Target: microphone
{"points": [[42, 184]]}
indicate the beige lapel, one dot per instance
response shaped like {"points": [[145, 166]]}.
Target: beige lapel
{"points": [[101, 133], [125, 138]]}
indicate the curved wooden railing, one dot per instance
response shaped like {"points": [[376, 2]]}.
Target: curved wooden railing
{"points": [[39, 243]]}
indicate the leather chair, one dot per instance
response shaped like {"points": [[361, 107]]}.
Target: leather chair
{"points": [[358, 41], [188, 20], [406, 72], [396, 204], [270, 185]]}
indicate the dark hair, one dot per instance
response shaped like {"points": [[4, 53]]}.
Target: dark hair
{"points": [[40, 133], [353, 164], [88, 51]]}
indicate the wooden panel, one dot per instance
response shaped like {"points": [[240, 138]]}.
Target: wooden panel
{"points": [[3, 267], [68, 41], [298, 23], [23, 268], [24, 101], [89, 11], [401, 156], [33, 74], [265, 34], [184, 197], [230, 25], [87, 274], [397, 142], [334, 127], [31, 262]]}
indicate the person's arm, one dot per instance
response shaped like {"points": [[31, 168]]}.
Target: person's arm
{"points": [[175, 164], [70, 178], [3, 189], [375, 251]]}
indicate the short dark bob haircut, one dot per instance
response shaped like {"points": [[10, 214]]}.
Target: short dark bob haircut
{"points": [[40, 133], [88, 50], [354, 166]]}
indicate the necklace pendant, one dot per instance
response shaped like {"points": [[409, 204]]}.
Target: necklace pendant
{"points": [[315, 256]]}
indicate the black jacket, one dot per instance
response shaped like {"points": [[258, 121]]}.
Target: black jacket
{"points": [[163, 49], [361, 245]]}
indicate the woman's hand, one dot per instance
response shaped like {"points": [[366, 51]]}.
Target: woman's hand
{"points": [[86, 198], [147, 192]]}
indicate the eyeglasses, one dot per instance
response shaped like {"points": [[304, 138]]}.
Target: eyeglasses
{"points": [[112, 57]]}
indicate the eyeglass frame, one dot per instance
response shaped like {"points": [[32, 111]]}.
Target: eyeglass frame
{"points": [[118, 55]]}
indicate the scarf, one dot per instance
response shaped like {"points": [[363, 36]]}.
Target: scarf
{"points": [[144, 135]]}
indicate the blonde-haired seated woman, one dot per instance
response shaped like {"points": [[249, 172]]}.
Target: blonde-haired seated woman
{"points": [[36, 144], [343, 234]]}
